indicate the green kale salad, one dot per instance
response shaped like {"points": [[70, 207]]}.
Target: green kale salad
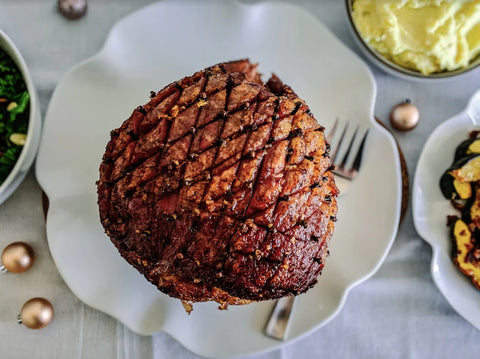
{"points": [[14, 114]]}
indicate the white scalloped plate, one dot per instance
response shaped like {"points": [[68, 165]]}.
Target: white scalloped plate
{"points": [[162, 43], [430, 209]]}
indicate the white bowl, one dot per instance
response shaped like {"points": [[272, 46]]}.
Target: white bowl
{"points": [[29, 150], [401, 72]]}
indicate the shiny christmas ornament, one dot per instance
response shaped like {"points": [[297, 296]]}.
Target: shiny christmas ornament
{"points": [[404, 116], [36, 313], [17, 257], [72, 9]]}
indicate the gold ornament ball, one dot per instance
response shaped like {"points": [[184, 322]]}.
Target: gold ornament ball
{"points": [[72, 9], [36, 313], [18, 257], [404, 116]]}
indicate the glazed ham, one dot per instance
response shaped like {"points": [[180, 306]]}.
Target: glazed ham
{"points": [[220, 188]]}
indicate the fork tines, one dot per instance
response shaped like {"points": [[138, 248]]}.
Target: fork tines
{"points": [[345, 137]]}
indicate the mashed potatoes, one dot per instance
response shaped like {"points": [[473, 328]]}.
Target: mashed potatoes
{"points": [[423, 35]]}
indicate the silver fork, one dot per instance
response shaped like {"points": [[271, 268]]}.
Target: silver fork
{"points": [[345, 175], [279, 320]]}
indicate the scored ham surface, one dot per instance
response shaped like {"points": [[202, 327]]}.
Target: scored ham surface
{"points": [[220, 188]]}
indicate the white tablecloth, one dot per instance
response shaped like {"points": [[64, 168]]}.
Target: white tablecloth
{"points": [[398, 313]]}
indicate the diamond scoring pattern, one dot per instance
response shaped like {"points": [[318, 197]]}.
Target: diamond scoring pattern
{"points": [[220, 188]]}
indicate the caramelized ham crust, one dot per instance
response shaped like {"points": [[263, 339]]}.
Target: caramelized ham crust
{"points": [[220, 188]]}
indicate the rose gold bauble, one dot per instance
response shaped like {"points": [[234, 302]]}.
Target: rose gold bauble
{"points": [[404, 116], [36, 313], [72, 9], [17, 257]]}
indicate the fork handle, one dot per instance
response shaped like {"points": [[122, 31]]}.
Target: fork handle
{"points": [[278, 324]]}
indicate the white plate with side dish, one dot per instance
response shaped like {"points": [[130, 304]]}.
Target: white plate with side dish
{"points": [[165, 42], [430, 209]]}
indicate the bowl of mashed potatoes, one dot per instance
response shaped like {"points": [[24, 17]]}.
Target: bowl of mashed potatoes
{"points": [[418, 39]]}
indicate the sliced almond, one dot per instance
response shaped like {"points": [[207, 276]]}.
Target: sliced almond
{"points": [[18, 139]]}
